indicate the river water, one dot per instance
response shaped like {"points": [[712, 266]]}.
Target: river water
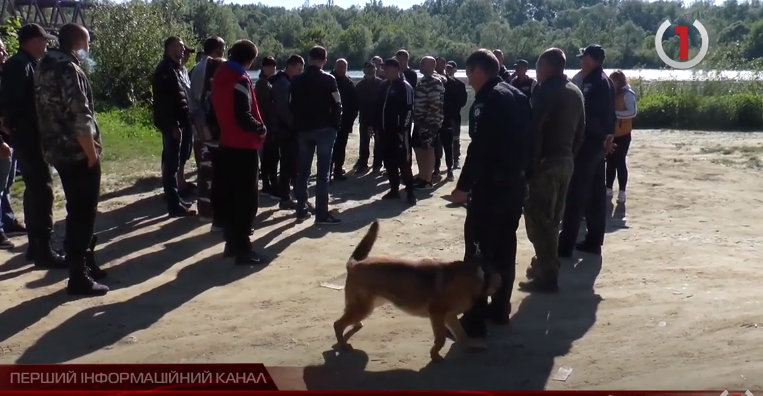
{"points": [[644, 74]]}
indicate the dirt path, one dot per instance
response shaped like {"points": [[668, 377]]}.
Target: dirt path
{"points": [[676, 304]]}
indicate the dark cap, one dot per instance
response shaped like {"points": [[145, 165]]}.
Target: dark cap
{"points": [[521, 63], [369, 65], [33, 31], [594, 51], [452, 64], [392, 62]]}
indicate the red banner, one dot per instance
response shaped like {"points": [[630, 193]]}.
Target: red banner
{"points": [[231, 379]]}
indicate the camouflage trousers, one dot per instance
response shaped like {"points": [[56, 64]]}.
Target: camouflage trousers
{"points": [[204, 204], [546, 194]]}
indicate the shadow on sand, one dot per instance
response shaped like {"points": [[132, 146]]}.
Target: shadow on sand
{"points": [[520, 356]]}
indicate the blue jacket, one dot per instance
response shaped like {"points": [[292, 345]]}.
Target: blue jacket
{"points": [[599, 93]]}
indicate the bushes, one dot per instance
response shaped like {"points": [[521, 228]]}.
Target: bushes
{"points": [[728, 112]]}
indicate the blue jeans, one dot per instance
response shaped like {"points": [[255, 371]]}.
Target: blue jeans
{"points": [[7, 175], [174, 153], [310, 142]]}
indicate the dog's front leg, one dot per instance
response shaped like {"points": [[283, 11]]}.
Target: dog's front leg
{"points": [[462, 339], [440, 334]]}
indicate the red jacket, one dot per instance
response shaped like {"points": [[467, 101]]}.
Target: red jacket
{"points": [[236, 110]]}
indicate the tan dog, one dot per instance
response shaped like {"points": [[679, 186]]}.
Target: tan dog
{"points": [[428, 288]]}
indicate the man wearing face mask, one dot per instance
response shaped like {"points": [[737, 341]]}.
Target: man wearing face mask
{"points": [[20, 120], [172, 117], [71, 142]]}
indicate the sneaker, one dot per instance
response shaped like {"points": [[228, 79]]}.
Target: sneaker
{"points": [[609, 193], [621, 197], [436, 173], [328, 220], [250, 258], [5, 243], [450, 177]]}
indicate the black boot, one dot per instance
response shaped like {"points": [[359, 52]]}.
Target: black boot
{"points": [[42, 252], [92, 265], [81, 283]]}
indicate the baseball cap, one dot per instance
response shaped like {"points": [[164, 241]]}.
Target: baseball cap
{"points": [[452, 64], [594, 51], [522, 63], [32, 31], [392, 62]]}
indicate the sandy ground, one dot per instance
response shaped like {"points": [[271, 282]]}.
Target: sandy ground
{"points": [[675, 302]]}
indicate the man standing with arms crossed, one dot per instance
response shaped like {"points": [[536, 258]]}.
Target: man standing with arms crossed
{"points": [[71, 142], [559, 129], [20, 119], [500, 127]]}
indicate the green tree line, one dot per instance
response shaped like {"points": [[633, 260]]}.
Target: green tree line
{"points": [[128, 36]]}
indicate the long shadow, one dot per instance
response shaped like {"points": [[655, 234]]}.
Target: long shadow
{"points": [[353, 219], [126, 246], [142, 185], [520, 357], [29, 312], [99, 327], [616, 217]]}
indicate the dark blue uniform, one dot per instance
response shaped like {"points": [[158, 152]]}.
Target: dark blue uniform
{"points": [[587, 193], [500, 122], [392, 122]]}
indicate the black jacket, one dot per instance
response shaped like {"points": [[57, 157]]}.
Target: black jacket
{"points": [[455, 99], [599, 93], [17, 102], [170, 100], [367, 91], [315, 102], [262, 89], [349, 99], [500, 125], [394, 105], [411, 76], [280, 85]]}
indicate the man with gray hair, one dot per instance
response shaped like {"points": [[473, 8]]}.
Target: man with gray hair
{"points": [[349, 114]]}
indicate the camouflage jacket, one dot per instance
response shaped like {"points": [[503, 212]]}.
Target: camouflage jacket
{"points": [[64, 102], [428, 103]]}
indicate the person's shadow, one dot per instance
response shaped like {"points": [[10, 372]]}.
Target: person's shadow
{"points": [[520, 356], [101, 326], [616, 217]]}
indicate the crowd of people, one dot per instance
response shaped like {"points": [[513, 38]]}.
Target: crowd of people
{"points": [[538, 147]]}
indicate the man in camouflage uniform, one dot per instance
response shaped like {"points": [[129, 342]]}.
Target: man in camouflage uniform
{"points": [[71, 143], [559, 127], [428, 114]]}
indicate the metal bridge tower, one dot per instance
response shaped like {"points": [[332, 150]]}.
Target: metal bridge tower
{"points": [[50, 14]]}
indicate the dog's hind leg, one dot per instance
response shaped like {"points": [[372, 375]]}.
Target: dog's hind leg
{"points": [[440, 333], [462, 339], [354, 313]]}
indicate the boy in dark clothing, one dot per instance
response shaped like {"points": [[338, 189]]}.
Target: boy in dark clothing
{"points": [[242, 133], [392, 123]]}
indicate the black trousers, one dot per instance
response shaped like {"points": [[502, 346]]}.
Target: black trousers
{"points": [[365, 147], [616, 164], [490, 234], [38, 189], [444, 144], [340, 146], [238, 196], [396, 152], [82, 186], [587, 195], [270, 157], [288, 149]]}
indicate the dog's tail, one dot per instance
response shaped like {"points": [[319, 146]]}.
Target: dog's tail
{"points": [[365, 245]]}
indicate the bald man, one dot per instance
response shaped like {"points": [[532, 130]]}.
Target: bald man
{"points": [[349, 114], [503, 72], [71, 143], [428, 115]]}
